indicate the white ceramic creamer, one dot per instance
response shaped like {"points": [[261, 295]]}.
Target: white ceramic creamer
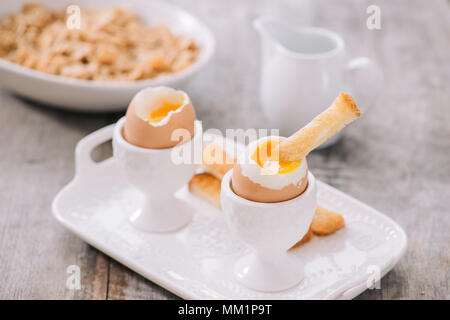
{"points": [[304, 69]]}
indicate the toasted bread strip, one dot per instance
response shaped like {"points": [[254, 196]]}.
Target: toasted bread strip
{"points": [[326, 222], [216, 161], [308, 236], [206, 187], [342, 111]]}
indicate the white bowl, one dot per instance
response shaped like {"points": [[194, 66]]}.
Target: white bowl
{"points": [[90, 95]]}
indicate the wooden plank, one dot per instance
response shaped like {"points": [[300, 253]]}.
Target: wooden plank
{"points": [[125, 284], [36, 159], [392, 157]]}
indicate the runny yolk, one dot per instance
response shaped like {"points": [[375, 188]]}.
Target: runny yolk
{"points": [[162, 112], [265, 155]]}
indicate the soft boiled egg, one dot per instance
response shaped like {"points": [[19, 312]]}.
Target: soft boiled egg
{"points": [[260, 176], [153, 115]]}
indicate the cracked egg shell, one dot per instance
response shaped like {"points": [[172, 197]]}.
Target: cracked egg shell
{"points": [[246, 188], [249, 181], [153, 115]]}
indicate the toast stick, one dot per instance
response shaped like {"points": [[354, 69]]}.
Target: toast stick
{"points": [[342, 111], [206, 187], [216, 160], [326, 222]]}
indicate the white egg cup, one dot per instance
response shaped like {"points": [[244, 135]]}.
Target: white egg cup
{"points": [[270, 229], [154, 172]]}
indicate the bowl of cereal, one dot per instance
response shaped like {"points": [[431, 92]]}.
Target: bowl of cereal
{"points": [[95, 55]]}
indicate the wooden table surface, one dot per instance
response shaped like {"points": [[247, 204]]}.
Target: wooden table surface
{"points": [[396, 158]]}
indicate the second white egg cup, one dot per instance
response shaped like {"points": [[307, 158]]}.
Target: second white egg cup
{"points": [[270, 229], [154, 172]]}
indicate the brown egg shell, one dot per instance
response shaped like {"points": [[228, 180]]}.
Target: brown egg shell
{"points": [[141, 133], [247, 189]]}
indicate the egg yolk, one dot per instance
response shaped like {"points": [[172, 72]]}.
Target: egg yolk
{"points": [[265, 156], [162, 112]]}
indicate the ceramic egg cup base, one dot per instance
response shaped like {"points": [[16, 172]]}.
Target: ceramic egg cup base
{"points": [[268, 274], [169, 215], [196, 261]]}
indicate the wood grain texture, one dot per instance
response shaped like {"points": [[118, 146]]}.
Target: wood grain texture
{"points": [[396, 158]]}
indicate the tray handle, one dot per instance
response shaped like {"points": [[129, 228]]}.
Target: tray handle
{"points": [[84, 165]]}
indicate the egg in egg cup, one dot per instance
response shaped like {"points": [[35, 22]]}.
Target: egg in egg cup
{"points": [[279, 212], [269, 198], [145, 151]]}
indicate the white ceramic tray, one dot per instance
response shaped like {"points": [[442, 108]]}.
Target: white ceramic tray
{"points": [[196, 262]]}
